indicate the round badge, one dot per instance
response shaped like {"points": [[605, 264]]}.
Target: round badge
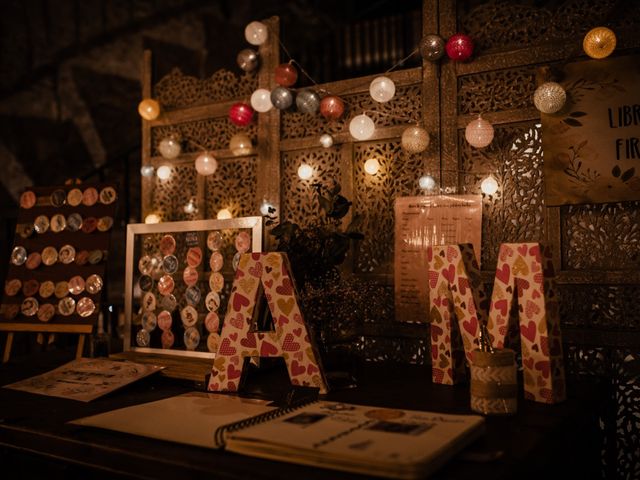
{"points": [[74, 222], [145, 283], [214, 241], [212, 342], [243, 242], [212, 301], [11, 310], [216, 261], [29, 307], [25, 230], [191, 338], [58, 198], [82, 257], [143, 338], [95, 256], [27, 199], [156, 270], [76, 285], [167, 245], [170, 264], [33, 261], [49, 256], [18, 256], [148, 302], [166, 285], [194, 256], [168, 302], [192, 295], [58, 223], [105, 224], [93, 284], [74, 197], [216, 282], [85, 307], [12, 287], [62, 289], [46, 289], [190, 276], [108, 195], [164, 320], [145, 265], [67, 254], [189, 316], [46, 312], [90, 197], [30, 287], [167, 339], [148, 321], [212, 322], [41, 224], [89, 224], [236, 261]]}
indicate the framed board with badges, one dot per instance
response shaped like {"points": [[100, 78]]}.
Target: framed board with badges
{"points": [[57, 265], [178, 280]]}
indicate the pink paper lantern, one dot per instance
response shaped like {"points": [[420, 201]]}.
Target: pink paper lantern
{"points": [[459, 47], [241, 114]]}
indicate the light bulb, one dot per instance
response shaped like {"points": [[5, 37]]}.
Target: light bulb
{"points": [[163, 172], [147, 170], [326, 140], [224, 214], [240, 144], [361, 127], [489, 185], [427, 182], [169, 148], [190, 207], [152, 218], [372, 166], [264, 207], [149, 109], [256, 33], [206, 164], [382, 89], [305, 171], [261, 100]]}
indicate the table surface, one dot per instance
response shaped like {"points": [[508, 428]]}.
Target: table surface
{"points": [[539, 441]]}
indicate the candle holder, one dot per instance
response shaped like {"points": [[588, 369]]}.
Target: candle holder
{"points": [[494, 384]]}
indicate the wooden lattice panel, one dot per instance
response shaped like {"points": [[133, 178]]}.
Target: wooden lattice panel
{"points": [[171, 195], [600, 306], [232, 186]]}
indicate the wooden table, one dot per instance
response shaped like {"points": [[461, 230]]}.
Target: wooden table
{"points": [[541, 441]]}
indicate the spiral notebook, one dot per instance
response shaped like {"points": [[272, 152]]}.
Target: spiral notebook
{"points": [[377, 441]]}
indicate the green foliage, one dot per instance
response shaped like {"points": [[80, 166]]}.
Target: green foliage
{"points": [[316, 250]]}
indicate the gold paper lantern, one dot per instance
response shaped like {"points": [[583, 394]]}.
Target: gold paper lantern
{"points": [[549, 97], [479, 133], [240, 144], [149, 109], [599, 42], [415, 139]]}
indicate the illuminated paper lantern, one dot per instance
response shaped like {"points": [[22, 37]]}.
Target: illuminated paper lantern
{"points": [[308, 101], [489, 185], [427, 182], [549, 97], [459, 47], [305, 171], [361, 127], [415, 139], [169, 148], [599, 42], [281, 98], [206, 164], [163, 172], [261, 100], [149, 109], [241, 114], [256, 33], [286, 75], [240, 144], [372, 166], [479, 133], [382, 89], [331, 107], [247, 59], [432, 47], [326, 140]]}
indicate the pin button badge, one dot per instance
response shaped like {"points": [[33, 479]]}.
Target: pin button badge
{"points": [[216, 261], [85, 307], [47, 288], [89, 197], [74, 197], [189, 316], [108, 195], [67, 254], [58, 198], [214, 240], [12, 287], [143, 338], [212, 342], [30, 287], [74, 222], [41, 224], [33, 261], [18, 256], [46, 312], [29, 307], [27, 199], [94, 284], [191, 338], [167, 245]]}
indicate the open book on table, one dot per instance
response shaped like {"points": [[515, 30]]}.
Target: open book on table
{"points": [[371, 440]]}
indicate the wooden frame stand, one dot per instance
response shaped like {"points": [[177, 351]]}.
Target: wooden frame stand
{"points": [[12, 328]]}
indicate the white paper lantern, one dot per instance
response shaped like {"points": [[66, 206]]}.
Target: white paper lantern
{"points": [[147, 170], [169, 148], [427, 182], [361, 127], [382, 89], [240, 144], [549, 97], [415, 139], [305, 171], [224, 214], [163, 172], [256, 33], [489, 185], [261, 100], [372, 166], [326, 140], [479, 133], [206, 164]]}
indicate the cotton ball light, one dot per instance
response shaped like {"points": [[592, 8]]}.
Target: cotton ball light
{"points": [[432, 47], [206, 164], [164, 172], [599, 42], [247, 59], [241, 114], [382, 89], [308, 101], [224, 214], [305, 171], [265, 208], [361, 127], [372, 166], [149, 109], [286, 75], [549, 97], [169, 148], [240, 144], [331, 107], [459, 47], [415, 139], [489, 185], [256, 33], [261, 100], [147, 170], [426, 182], [326, 140], [281, 98], [479, 133], [152, 218]]}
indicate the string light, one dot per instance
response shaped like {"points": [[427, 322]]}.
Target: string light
{"points": [[224, 214], [163, 172], [147, 170], [427, 182], [152, 218], [305, 171], [372, 166], [326, 140], [265, 207], [489, 185]]}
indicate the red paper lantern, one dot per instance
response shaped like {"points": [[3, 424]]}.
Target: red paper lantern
{"points": [[241, 114], [459, 47], [331, 107], [286, 75]]}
